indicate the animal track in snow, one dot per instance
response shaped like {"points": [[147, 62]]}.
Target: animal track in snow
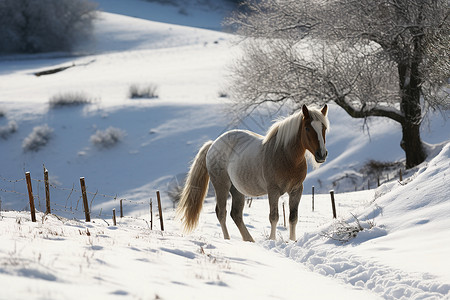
{"points": [[388, 282]]}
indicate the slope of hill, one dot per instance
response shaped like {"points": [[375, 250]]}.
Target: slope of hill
{"points": [[185, 64], [206, 14], [189, 68]]}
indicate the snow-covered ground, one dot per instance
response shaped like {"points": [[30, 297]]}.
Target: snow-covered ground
{"points": [[401, 253]]}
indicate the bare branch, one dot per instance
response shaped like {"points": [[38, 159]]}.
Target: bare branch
{"points": [[385, 58]]}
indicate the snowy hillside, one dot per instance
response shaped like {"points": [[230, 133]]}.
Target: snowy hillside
{"points": [[161, 134], [401, 252], [189, 67], [206, 14]]}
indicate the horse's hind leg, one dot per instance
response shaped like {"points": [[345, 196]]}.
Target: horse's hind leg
{"points": [[237, 207], [221, 188]]}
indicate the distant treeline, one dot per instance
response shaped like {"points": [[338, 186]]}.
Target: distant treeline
{"points": [[30, 26]]}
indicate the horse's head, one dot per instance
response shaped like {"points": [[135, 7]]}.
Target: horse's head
{"points": [[314, 127]]}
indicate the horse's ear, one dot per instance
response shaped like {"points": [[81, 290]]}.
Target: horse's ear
{"points": [[305, 111], [325, 110]]}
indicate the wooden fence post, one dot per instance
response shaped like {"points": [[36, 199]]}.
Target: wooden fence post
{"points": [[151, 214], [284, 216], [30, 196], [114, 217], [378, 180], [160, 211], [85, 201], [121, 208], [333, 205], [47, 192], [312, 198], [401, 175]]}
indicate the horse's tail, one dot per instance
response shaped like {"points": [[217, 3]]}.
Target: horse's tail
{"points": [[194, 191]]}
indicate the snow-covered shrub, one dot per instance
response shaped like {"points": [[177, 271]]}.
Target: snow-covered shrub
{"points": [[107, 138], [31, 26], [375, 168], [7, 130], [175, 187], [38, 138], [69, 99], [343, 231], [149, 91], [174, 193]]}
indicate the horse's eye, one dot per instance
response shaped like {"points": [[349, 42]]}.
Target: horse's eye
{"points": [[307, 129]]}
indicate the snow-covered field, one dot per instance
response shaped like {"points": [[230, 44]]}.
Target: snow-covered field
{"points": [[401, 253]]}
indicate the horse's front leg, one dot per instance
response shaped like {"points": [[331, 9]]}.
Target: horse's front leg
{"points": [[274, 195], [294, 200]]}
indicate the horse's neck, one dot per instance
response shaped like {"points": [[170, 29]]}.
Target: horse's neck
{"points": [[292, 155], [297, 152]]}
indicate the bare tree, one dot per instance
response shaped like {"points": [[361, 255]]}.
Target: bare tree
{"points": [[31, 26], [384, 58]]}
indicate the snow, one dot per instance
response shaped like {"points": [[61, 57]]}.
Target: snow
{"points": [[130, 260], [193, 13], [403, 256], [405, 253], [186, 64], [401, 253]]}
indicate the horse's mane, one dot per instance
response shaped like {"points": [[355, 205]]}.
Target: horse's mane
{"points": [[287, 129]]}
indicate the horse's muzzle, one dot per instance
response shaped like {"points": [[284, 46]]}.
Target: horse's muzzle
{"points": [[319, 157]]}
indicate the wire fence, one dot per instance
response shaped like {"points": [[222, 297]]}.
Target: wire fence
{"points": [[74, 202], [69, 199]]}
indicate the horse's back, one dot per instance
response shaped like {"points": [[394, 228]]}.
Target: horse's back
{"points": [[237, 154], [232, 144]]}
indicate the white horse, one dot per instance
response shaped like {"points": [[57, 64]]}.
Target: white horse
{"points": [[242, 163]]}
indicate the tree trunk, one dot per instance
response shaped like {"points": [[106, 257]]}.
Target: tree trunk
{"points": [[410, 105], [412, 144]]}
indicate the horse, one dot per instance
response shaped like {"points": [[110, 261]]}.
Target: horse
{"points": [[245, 163]]}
